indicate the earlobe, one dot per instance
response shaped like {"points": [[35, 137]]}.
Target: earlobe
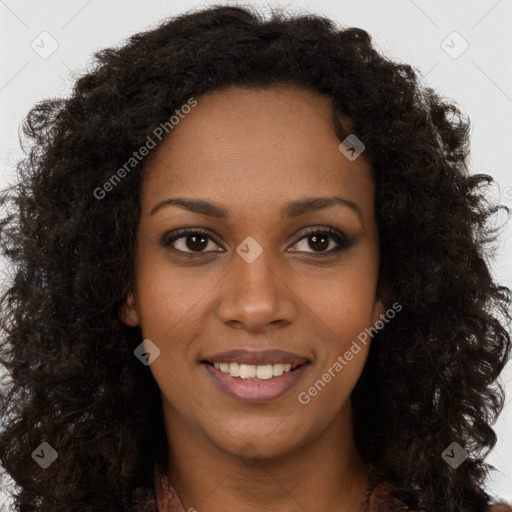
{"points": [[378, 310], [128, 312], [381, 301]]}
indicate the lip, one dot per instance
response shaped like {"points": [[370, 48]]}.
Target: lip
{"points": [[256, 391], [257, 357]]}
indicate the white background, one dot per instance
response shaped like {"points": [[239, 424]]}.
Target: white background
{"points": [[410, 31]]}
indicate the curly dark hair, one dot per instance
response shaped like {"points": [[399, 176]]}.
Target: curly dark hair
{"points": [[431, 377]]}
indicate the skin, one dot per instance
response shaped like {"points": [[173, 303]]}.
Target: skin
{"points": [[251, 151]]}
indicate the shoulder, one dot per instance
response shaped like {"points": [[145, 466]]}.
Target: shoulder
{"points": [[500, 507], [167, 499], [382, 500]]}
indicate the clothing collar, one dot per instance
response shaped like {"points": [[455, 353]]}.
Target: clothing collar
{"points": [[380, 499]]}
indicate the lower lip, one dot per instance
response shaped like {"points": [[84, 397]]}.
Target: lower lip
{"points": [[256, 391]]}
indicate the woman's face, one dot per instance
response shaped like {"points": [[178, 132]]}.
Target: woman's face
{"points": [[259, 279]]}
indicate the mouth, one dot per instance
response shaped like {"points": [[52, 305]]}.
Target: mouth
{"points": [[255, 383], [254, 373]]}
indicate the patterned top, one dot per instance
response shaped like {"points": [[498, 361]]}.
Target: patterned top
{"points": [[380, 499]]}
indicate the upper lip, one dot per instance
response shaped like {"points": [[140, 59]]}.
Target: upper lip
{"points": [[257, 358]]}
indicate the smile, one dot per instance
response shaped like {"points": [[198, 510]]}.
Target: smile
{"points": [[255, 384], [255, 372]]}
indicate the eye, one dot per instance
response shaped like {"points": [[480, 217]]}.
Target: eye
{"points": [[195, 241], [318, 239]]}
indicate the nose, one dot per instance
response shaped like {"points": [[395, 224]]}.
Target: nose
{"points": [[256, 295]]}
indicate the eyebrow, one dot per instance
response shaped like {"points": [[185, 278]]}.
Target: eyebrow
{"points": [[291, 209]]}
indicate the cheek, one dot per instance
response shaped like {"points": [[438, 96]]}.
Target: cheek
{"points": [[169, 297], [343, 343], [169, 304], [344, 302], [341, 349], [344, 310]]}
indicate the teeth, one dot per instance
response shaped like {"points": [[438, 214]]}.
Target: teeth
{"points": [[234, 369], [247, 371], [264, 372], [251, 371]]}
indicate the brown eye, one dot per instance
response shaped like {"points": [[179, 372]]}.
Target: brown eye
{"points": [[320, 239], [196, 242], [191, 241]]}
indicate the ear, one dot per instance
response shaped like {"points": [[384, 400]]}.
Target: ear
{"points": [[128, 312], [381, 299], [379, 308]]}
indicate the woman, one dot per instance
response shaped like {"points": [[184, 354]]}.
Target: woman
{"points": [[249, 275]]}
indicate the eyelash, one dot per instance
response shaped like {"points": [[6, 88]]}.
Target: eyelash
{"points": [[338, 237]]}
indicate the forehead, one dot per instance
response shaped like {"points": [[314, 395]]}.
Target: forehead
{"points": [[274, 143]]}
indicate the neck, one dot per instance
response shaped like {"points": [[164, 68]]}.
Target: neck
{"points": [[324, 475]]}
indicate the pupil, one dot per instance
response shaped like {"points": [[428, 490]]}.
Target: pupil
{"points": [[202, 244], [323, 245]]}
